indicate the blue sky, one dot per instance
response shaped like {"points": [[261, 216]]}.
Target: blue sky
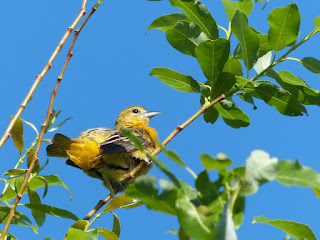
{"points": [[110, 71]]}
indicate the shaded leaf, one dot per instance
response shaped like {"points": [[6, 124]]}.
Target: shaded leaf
{"points": [[296, 86], [176, 80], [52, 211], [211, 115], [17, 135], [198, 13], [292, 173], [81, 224], [34, 199], [297, 230], [279, 98], [231, 114], [226, 229], [107, 234], [29, 160], [190, 220], [284, 26], [264, 45], [311, 64], [223, 84], [46, 185], [231, 7], [185, 37], [238, 212], [234, 66], [316, 192], [219, 163], [248, 39], [260, 168], [144, 188], [212, 56], [166, 22], [14, 172], [116, 224]]}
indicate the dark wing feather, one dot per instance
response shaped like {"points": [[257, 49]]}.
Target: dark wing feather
{"points": [[119, 144]]}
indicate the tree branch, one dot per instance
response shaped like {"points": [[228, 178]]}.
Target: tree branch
{"points": [[178, 129], [38, 79]]}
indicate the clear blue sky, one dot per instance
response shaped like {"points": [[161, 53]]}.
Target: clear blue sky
{"points": [[110, 71]]}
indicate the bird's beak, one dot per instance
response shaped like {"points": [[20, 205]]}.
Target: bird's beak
{"points": [[150, 114]]}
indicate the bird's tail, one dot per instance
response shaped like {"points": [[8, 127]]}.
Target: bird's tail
{"points": [[59, 146]]}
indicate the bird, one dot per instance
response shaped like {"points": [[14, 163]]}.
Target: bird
{"points": [[105, 153]]}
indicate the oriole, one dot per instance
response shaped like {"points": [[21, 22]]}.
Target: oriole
{"points": [[104, 154]]}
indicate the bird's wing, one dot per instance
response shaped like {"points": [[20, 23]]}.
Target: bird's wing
{"points": [[119, 144]]}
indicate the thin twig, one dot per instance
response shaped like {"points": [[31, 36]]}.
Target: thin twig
{"points": [[43, 126], [178, 129], [39, 77]]}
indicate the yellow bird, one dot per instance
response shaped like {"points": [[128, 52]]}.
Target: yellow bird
{"points": [[104, 154]]}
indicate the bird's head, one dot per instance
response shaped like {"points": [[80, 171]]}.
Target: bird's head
{"points": [[135, 116]]}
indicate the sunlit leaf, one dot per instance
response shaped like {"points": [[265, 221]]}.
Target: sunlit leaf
{"points": [[297, 230], [77, 234], [31, 125], [185, 37], [284, 26], [107, 234], [30, 157], [316, 192], [220, 162], [231, 7], [260, 168], [264, 45], [59, 125], [117, 202], [190, 220], [263, 62], [198, 13], [17, 135], [46, 185], [317, 22], [166, 22], [52, 211], [234, 66], [311, 64], [231, 114], [133, 204], [81, 224], [248, 39], [226, 229], [176, 80], [292, 173], [34, 199], [15, 172]]}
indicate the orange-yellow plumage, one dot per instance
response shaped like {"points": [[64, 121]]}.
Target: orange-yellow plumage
{"points": [[103, 153]]}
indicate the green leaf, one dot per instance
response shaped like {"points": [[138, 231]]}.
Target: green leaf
{"points": [[9, 236], [133, 204], [311, 64], [296, 86], [59, 125], [297, 230], [317, 22], [34, 199], [279, 98], [234, 66], [292, 173], [15, 171], [226, 229], [260, 168], [52, 211], [209, 191], [117, 202], [166, 22], [245, 6], [223, 84], [231, 114], [77, 234], [212, 56], [46, 186], [176, 80], [81, 224], [211, 115], [17, 135], [284, 26], [31, 125], [221, 161], [248, 39], [316, 192], [185, 37], [48, 238], [29, 160], [238, 212], [190, 220], [198, 13], [172, 155], [263, 62], [116, 224], [264, 45], [107, 234], [144, 188]]}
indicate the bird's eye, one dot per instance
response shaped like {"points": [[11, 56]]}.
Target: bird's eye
{"points": [[135, 110]]}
